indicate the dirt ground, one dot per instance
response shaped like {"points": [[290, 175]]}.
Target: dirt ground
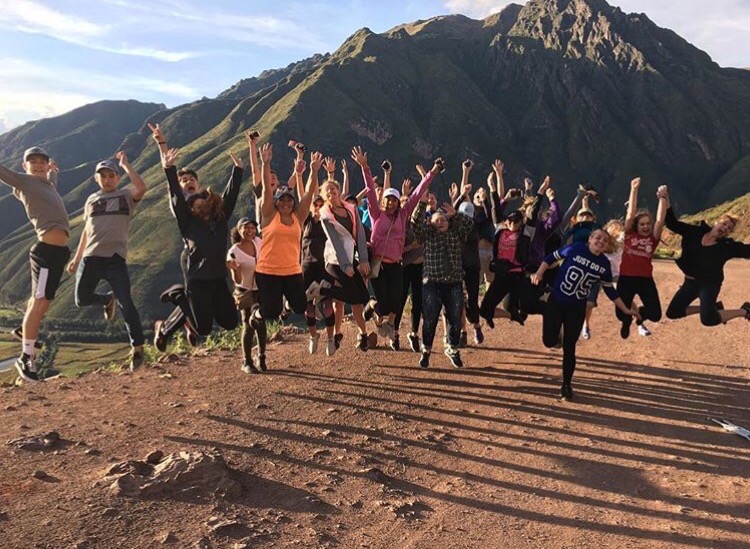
{"points": [[367, 450]]}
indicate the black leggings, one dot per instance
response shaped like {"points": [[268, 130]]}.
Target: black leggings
{"points": [[644, 287], [249, 331], [471, 284], [273, 289], [412, 283], [691, 289], [570, 319], [388, 287], [204, 302], [502, 285]]}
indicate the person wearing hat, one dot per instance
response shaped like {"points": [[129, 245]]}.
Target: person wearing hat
{"points": [[389, 221], [279, 268], [242, 259], [102, 249], [46, 211], [203, 222], [313, 265]]}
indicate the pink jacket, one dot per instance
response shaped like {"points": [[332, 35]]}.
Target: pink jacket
{"points": [[392, 248]]}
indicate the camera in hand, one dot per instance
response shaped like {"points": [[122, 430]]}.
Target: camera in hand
{"points": [[515, 193], [254, 134], [468, 163], [386, 165], [440, 164]]}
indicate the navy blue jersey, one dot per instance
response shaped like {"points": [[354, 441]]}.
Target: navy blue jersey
{"points": [[578, 273]]}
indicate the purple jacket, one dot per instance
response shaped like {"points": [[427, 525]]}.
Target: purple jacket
{"points": [[391, 248], [543, 231]]}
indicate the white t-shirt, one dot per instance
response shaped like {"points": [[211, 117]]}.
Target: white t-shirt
{"points": [[616, 258], [247, 264]]}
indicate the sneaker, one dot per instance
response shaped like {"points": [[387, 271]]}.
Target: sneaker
{"points": [[463, 340], [490, 321], [27, 368], [285, 312], [625, 330], [136, 359], [394, 342], [249, 368], [313, 291], [643, 331], [517, 316], [160, 342], [454, 356], [18, 334], [338, 338], [372, 340], [424, 361], [261, 363], [745, 307], [586, 333], [566, 392], [362, 343], [478, 335], [331, 346], [413, 341], [191, 335], [48, 372], [369, 309], [312, 346], [110, 309]]}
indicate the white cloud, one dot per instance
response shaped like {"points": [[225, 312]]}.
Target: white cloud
{"points": [[33, 17], [476, 8]]}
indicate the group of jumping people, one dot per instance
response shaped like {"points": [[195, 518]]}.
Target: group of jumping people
{"points": [[314, 249]]}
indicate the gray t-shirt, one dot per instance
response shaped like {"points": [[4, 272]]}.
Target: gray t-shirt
{"points": [[107, 217], [44, 205]]}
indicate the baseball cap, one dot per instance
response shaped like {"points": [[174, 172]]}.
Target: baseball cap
{"points": [[392, 192], [584, 211], [467, 209], [34, 151], [514, 216], [316, 198], [282, 191], [106, 165]]}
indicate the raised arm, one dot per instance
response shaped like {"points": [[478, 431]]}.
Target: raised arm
{"points": [[176, 198], [497, 206], [11, 178], [574, 205], [139, 186], [344, 178], [266, 198], [419, 221], [533, 217], [232, 190], [373, 205], [674, 224], [303, 208], [387, 167], [632, 204], [159, 138], [498, 167], [52, 172], [255, 168], [424, 185], [662, 193]]}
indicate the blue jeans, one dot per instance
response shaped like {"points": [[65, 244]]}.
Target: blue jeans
{"points": [[114, 271], [435, 296]]}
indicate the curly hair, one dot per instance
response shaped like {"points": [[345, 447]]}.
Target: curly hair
{"points": [[214, 201]]}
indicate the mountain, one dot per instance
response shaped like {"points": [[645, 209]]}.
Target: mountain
{"points": [[573, 88]]}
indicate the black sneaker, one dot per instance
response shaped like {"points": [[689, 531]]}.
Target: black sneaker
{"points": [[566, 392], [48, 372], [18, 334], [369, 310], [27, 369], [249, 368], [746, 307], [362, 342], [110, 309], [517, 316], [394, 343], [160, 342], [136, 359], [454, 356], [261, 363], [413, 341], [191, 335], [490, 321], [463, 340], [337, 340], [424, 361], [625, 330]]}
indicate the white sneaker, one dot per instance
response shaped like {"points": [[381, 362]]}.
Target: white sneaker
{"points": [[586, 333], [313, 345], [643, 331], [331, 346]]}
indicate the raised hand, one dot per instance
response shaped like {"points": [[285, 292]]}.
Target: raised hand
{"points": [[420, 170], [546, 184], [450, 211], [316, 161], [465, 189], [453, 191], [252, 136], [406, 187], [635, 183], [299, 166], [344, 166], [157, 134], [550, 194], [169, 156], [53, 167], [266, 153], [122, 159], [662, 192], [467, 165], [329, 164], [359, 156], [237, 161], [491, 182], [438, 166], [498, 166]]}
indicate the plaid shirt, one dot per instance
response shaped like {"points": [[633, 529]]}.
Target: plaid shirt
{"points": [[442, 251]]}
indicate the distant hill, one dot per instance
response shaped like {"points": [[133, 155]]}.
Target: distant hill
{"points": [[573, 88]]}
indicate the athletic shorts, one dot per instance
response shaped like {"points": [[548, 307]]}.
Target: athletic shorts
{"points": [[47, 266]]}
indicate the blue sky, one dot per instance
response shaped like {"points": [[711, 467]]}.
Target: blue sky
{"points": [[55, 55]]}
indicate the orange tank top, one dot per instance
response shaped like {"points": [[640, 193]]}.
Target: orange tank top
{"points": [[280, 253]]}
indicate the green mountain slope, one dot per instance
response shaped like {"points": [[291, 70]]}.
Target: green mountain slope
{"points": [[574, 88]]}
